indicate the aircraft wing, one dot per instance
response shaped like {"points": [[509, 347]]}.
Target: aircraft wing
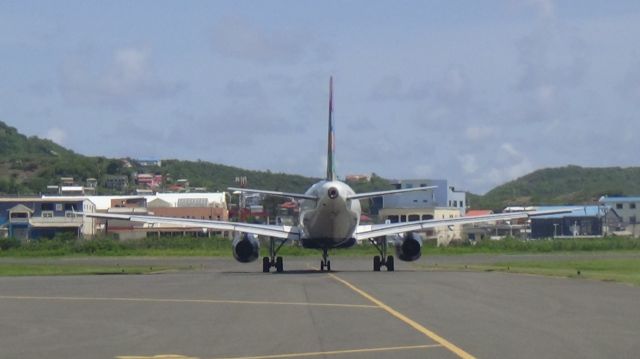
{"points": [[378, 230], [285, 232]]}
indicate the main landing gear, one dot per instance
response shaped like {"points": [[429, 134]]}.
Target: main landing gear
{"points": [[383, 259], [325, 263], [272, 260]]}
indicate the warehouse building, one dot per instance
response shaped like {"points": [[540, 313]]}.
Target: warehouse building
{"points": [[582, 221]]}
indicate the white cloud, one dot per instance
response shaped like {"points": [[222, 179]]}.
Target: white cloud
{"points": [[477, 133], [423, 171], [546, 8], [239, 39], [56, 135], [128, 78], [469, 163]]}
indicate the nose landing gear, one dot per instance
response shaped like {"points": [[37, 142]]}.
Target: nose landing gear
{"points": [[325, 263]]}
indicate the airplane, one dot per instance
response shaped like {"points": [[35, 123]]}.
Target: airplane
{"points": [[329, 219]]}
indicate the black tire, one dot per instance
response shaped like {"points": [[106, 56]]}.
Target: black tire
{"points": [[279, 265], [266, 264], [376, 264], [390, 265], [321, 266], [328, 266]]}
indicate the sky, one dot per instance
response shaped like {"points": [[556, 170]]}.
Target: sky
{"points": [[476, 92]]}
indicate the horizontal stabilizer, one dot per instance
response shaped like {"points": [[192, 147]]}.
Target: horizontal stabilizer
{"points": [[393, 191], [274, 193]]}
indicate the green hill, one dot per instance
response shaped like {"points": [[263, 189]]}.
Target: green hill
{"points": [[563, 185], [29, 164]]}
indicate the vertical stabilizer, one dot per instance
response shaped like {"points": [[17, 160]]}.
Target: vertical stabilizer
{"points": [[331, 141]]}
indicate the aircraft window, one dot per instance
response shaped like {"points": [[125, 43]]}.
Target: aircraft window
{"points": [[455, 203], [393, 219], [426, 216], [403, 218], [414, 217], [632, 206], [618, 205]]}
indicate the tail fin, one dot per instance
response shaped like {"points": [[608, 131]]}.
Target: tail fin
{"points": [[331, 141]]}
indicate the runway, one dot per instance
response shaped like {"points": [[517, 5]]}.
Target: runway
{"points": [[224, 309]]}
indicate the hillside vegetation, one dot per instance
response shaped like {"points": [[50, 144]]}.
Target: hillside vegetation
{"points": [[563, 185], [29, 164]]}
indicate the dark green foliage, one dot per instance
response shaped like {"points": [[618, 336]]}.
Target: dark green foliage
{"points": [[558, 186], [9, 243], [218, 177]]}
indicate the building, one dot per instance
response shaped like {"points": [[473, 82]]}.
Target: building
{"points": [[625, 211], [441, 196], [149, 162], [442, 202], [582, 221], [117, 182], [150, 181], [43, 217]]}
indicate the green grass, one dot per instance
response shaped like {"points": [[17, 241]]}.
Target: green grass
{"points": [[623, 270], [512, 245], [71, 269], [221, 247], [157, 247]]}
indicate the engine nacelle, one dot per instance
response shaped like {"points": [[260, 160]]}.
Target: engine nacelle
{"points": [[409, 247], [246, 247]]}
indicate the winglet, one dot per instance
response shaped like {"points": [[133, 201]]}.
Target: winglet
{"points": [[331, 144]]}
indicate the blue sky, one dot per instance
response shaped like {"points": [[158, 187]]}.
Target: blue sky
{"points": [[478, 92]]}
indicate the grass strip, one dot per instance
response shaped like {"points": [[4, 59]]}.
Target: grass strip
{"points": [[71, 269], [623, 270]]}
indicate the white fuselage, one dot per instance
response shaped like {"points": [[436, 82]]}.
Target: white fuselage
{"points": [[332, 219]]}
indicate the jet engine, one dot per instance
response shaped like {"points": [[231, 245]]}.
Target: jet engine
{"points": [[246, 247], [408, 247]]}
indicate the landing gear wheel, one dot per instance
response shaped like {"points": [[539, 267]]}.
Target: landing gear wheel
{"points": [[266, 264], [279, 265], [325, 263], [390, 264], [376, 264]]}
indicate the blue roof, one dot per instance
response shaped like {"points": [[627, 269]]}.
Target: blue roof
{"points": [[605, 199], [576, 211]]}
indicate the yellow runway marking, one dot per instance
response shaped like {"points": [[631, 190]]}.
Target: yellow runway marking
{"points": [[203, 301], [412, 323], [161, 356], [294, 355], [337, 352]]}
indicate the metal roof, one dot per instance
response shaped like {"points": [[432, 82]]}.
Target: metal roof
{"points": [[606, 199], [576, 211]]}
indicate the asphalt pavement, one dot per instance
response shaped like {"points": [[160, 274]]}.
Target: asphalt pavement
{"points": [[224, 309]]}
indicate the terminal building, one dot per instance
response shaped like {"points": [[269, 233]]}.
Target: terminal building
{"points": [[442, 202]]}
